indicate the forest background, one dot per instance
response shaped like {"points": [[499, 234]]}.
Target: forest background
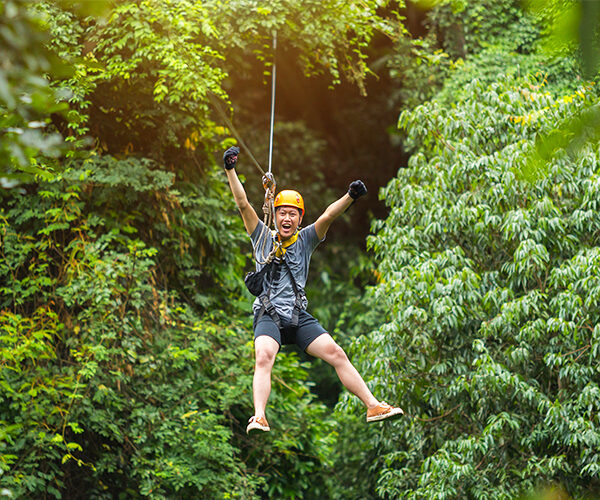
{"points": [[465, 286]]}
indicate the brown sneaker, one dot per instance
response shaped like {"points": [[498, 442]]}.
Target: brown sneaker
{"points": [[383, 411], [257, 424]]}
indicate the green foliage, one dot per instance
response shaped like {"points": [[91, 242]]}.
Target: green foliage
{"points": [[29, 102], [115, 200], [148, 67], [37, 432], [421, 67], [466, 28], [152, 66], [569, 28], [485, 39], [125, 357], [492, 341], [122, 388], [189, 224], [154, 412], [26, 99], [130, 248], [330, 37]]}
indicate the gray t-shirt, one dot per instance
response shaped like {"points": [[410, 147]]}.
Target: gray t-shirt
{"points": [[297, 256]]}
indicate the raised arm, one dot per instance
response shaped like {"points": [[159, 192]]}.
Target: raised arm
{"points": [[239, 194], [338, 207]]}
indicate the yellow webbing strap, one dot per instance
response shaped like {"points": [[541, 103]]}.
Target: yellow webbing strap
{"points": [[290, 241]]}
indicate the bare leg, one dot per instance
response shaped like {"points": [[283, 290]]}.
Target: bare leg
{"points": [[325, 348], [265, 349]]}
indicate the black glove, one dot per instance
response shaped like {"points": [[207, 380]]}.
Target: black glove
{"points": [[230, 157], [357, 189]]}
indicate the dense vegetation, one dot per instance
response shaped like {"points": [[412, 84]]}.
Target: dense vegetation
{"points": [[125, 336]]}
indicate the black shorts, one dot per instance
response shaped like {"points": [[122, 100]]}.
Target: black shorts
{"points": [[308, 329]]}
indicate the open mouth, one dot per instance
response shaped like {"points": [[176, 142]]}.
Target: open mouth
{"points": [[286, 227]]}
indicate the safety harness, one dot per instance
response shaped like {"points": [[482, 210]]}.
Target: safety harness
{"points": [[266, 304], [255, 282]]}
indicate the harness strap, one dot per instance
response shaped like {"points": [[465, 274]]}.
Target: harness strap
{"points": [[268, 307], [298, 292]]}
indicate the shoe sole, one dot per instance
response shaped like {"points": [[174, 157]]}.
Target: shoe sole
{"points": [[256, 427], [397, 412]]}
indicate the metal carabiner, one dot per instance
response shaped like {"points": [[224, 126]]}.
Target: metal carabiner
{"points": [[269, 183]]}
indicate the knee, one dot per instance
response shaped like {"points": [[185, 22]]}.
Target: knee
{"points": [[336, 355], [265, 358]]}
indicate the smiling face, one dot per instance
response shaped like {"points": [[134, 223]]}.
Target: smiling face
{"points": [[288, 219]]}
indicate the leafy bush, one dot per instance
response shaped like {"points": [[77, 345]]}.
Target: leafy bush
{"points": [[113, 384], [26, 98], [492, 345]]}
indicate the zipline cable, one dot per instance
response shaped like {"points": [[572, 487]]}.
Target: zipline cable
{"points": [[234, 131], [273, 81], [268, 179]]}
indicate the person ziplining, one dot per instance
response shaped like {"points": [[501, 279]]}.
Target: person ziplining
{"points": [[280, 315], [282, 260]]}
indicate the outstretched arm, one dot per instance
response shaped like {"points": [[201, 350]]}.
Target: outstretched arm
{"points": [[338, 207], [239, 194]]}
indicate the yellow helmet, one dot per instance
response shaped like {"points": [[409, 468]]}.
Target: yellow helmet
{"points": [[291, 198]]}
